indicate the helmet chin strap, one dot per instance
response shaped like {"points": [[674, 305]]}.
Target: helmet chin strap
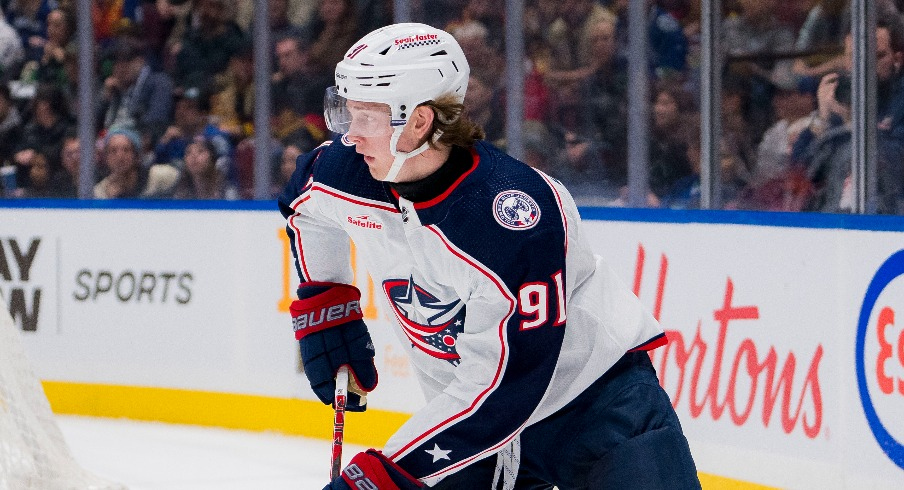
{"points": [[401, 156]]}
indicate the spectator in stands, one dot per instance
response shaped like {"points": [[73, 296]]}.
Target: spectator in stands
{"points": [[65, 182], [165, 31], [191, 119], [134, 96], [537, 94], [111, 17], [44, 132], [127, 178], [668, 44], [299, 12], [485, 108], [68, 83], [889, 73], [755, 32], [487, 69], [303, 140], [245, 160], [158, 19], [778, 184], [331, 33], [39, 176], [298, 88], [475, 40], [738, 154], [11, 52], [10, 125], [233, 104], [202, 178], [890, 81], [569, 35], [487, 14], [539, 19], [604, 95], [286, 167], [619, 8], [51, 68], [581, 168], [826, 150], [792, 109], [569, 40], [822, 33], [29, 19], [828, 19], [668, 160], [569, 60], [280, 23], [685, 192], [206, 48], [889, 111]]}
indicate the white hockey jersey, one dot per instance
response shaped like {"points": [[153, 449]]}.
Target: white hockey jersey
{"points": [[509, 314]]}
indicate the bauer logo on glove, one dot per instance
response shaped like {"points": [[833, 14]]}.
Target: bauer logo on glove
{"points": [[328, 316], [330, 329]]}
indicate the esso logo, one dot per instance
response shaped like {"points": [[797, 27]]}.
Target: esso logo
{"points": [[880, 357]]}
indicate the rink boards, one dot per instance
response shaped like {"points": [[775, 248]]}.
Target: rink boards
{"points": [[785, 361]]}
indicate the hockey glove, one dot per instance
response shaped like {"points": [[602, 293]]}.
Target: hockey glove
{"points": [[373, 471], [331, 333]]}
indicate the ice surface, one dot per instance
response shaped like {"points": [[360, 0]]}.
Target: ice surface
{"points": [[158, 456]]}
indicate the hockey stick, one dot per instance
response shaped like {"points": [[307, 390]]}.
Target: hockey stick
{"points": [[339, 421]]}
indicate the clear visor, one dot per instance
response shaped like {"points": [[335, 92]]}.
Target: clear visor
{"points": [[354, 118]]}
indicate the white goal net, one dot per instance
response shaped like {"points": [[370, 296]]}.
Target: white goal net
{"points": [[33, 453]]}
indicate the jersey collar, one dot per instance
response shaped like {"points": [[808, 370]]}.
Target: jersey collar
{"points": [[436, 187]]}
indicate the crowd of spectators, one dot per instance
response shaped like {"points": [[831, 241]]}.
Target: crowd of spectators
{"points": [[175, 96]]}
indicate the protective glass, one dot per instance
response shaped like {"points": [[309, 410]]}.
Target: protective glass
{"points": [[345, 117]]}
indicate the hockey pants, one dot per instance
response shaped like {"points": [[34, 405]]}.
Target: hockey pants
{"points": [[620, 433]]}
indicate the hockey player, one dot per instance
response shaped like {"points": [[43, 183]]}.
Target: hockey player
{"points": [[529, 350]]}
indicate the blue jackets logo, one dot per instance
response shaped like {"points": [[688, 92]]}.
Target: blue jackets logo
{"points": [[880, 357], [431, 324], [516, 210]]}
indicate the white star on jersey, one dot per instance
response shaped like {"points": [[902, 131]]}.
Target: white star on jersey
{"points": [[423, 313], [438, 453]]}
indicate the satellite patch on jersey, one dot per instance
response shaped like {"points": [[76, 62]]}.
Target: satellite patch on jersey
{"points": [[516, 210]]}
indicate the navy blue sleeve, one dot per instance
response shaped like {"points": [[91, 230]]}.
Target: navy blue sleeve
{"points": [[300, 181]]}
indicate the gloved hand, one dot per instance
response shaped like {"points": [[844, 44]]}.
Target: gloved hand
{"points": [[331, 333], [373, 471]]}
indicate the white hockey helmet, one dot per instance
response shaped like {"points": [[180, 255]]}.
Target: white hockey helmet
{"points": [[402, 65]]}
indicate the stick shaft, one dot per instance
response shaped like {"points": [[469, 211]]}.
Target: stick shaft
{"points": [[339, 421]]}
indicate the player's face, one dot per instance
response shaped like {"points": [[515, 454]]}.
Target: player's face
{"points": [[371, 133]]}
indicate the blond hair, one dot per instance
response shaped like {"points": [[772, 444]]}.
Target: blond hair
{"points": [[452, 123]]}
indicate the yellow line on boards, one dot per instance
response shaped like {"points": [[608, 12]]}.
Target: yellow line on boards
{"points": [[249, 412], [713, 482], [233, 411]]}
